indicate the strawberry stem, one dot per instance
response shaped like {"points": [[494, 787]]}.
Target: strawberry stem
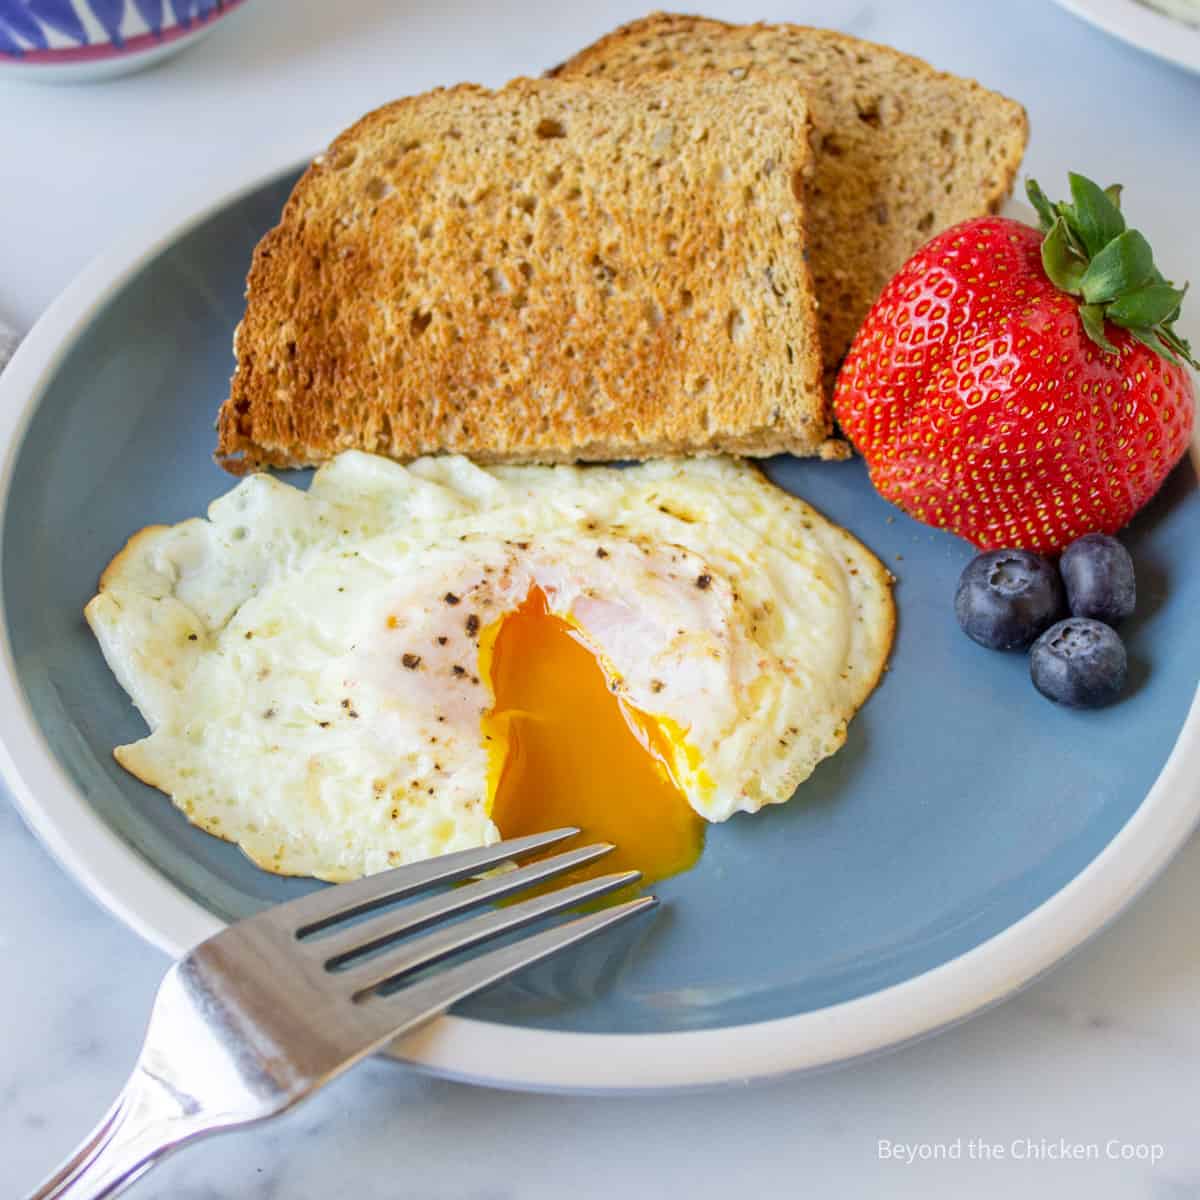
{"points": [[1089, 252]]}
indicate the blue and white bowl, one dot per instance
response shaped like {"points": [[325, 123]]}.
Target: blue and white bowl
{"points": [[76, 40]]}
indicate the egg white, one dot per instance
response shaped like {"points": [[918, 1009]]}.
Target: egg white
{"points": [[308, 665]]}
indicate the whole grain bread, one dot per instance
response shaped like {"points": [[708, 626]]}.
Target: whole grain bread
{"points": [[901, 151], [559, 270]]}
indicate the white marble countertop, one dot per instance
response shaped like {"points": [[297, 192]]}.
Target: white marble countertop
{"points": [[1104, 1052]]}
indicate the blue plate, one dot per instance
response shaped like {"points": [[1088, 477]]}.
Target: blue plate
{"points": [[961, 802]]}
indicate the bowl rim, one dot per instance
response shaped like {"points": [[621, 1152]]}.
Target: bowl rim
{"points": [[89, 54], [532, 1059]]}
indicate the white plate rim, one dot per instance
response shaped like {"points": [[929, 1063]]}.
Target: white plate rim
{"points": [[546, 1060], [1142, 27]]}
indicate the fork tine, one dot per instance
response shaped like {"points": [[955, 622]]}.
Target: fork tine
{"points": [[409, 1007], [391, 964], [375, 931], [314, 911]]}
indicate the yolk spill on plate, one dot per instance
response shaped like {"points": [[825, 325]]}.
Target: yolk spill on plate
{"points": [[565, 750]]}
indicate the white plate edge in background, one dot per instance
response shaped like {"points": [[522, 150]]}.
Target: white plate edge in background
{"points": [[1143, 27]]}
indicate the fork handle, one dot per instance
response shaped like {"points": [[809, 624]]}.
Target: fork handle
{"points": [[142, 1127], [100, 1158]]}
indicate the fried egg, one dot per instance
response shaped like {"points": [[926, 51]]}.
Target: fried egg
{"points": [[404, 661]]}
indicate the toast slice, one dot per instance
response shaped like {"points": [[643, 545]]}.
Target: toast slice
{"points": [[901, 151], [559, 270]]}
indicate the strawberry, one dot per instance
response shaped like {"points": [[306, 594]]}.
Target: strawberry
{"points": [[1020, 388]]}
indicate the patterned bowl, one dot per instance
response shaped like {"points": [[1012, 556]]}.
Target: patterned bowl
{"points": [[76, 40]]}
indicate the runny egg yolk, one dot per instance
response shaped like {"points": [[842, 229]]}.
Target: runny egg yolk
{"points": [[564, 749]]}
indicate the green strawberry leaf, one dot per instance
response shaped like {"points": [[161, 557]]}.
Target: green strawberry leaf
{"points": [[1146, 306], [1045, 210], [1064, 267], [1092, 316], [1123, 265], [1074, 232], [1179, 345], [1149, 337], [1088, 251], [1097, 219]]}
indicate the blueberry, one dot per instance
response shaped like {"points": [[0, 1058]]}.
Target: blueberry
{"points": [[1098, 574], [1006, 598], [1079, 662]]}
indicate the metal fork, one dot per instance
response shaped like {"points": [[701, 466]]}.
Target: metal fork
{"points": [[258, 1017]]}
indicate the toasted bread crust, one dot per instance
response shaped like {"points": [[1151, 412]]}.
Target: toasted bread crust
{"points": [[556, 271], [902, 150]]}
